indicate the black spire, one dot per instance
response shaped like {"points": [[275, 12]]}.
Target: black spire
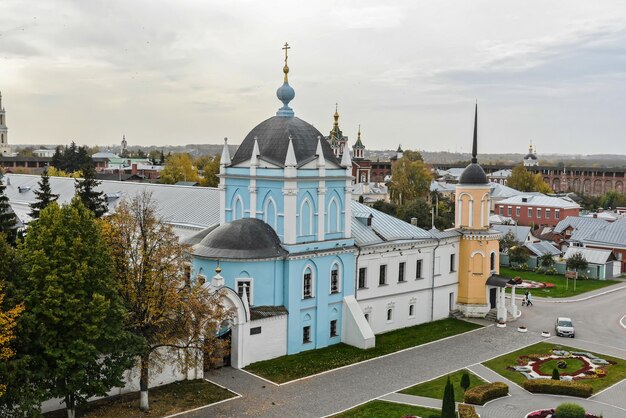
{"points": [[475, 145]]}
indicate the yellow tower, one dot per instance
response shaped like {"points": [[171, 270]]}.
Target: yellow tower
{"points": [[479, 252]]}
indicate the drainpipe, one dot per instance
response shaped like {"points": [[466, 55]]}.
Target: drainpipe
{"points": [[432, 288]]}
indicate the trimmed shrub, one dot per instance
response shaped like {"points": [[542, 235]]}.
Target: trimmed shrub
{"points": [[467, 411], [570, 410], [448, 405], [479, 395], [555, 374], [558, 387]]}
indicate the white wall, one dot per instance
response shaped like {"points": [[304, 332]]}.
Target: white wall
{"points": [[170, 373], [428, 303], [270, 343]]}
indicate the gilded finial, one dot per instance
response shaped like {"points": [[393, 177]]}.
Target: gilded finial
{"points": [[218, 269], [359, 133], [336, 115], [286, 48]]}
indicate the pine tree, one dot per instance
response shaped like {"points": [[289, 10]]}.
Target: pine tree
{"points": [[72, 332], [86, 191], [465, 381], [44, 196], [8, 220], [448, 406], [555, 374]]}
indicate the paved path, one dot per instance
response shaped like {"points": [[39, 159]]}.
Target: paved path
{"points": [[342, 389]]}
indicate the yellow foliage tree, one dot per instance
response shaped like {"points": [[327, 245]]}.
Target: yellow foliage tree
{"points": [[525, 181], [56, 172], [179, 167], [166, 308], [7, 323], [410, 179]]}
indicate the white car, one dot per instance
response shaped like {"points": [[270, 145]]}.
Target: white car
{"points": [[564, 327]]}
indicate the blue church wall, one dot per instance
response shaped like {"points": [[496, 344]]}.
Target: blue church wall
{"points": [[266, 277], [323, 306]]}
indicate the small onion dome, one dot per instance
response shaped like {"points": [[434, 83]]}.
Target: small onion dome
{"points": [[473, 174]]}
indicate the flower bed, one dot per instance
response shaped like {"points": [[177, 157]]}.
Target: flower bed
{"points": [[571, 365], [549, 413], [531, 284]]}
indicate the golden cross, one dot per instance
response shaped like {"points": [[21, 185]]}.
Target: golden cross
{"points": [[286, 48]]}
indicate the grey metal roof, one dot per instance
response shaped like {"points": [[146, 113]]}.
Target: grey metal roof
{"points": [[583, 227], [500, 190], [473, 174], [384, 227], [247, 238], [273, 138], [183, 207], [614, 233], [260, 312], [538, 199], [448, 233], [521, 233], [592, 256], [542, 247]]}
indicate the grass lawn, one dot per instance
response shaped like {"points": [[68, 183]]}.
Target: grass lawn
{"points": [[615, 372], [286, 368], [559, 291], [164, 400], [434, 388], [573, 366], [382, 409]]}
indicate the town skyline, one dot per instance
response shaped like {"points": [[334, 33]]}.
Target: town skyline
{"points": [[406, 73]]}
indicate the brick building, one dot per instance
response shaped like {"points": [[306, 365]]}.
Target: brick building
{"points": [[537, 209]]}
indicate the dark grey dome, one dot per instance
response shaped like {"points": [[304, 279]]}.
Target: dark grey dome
{"points": [[273, 138], [247, 238], [530, 156], [473, 174]]}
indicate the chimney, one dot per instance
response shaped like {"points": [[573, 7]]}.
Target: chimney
{"points": [[414, 221], [133, 169]]}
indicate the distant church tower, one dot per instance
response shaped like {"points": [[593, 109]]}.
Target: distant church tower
{"points": [[5, 149], [530, 160], [338, 142], [478, 253]]}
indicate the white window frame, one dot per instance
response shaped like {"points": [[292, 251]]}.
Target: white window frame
{"points": [[452, 263], [547, 213], [557, 214], [249, 282], [309, 268], [308, 201], [364, 269], [382, 268], [337, 226], [270, 201], [518, 211], [538, 213], [308, 340], [330, 326], [530, 212], [402, 269], [330, 281], [419, 272]]}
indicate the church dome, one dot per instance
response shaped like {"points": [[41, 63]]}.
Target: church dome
{"points": [[473, 174], [247, 238], [273, 137], [530, 156]]}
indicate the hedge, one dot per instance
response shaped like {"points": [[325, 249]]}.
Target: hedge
{"points": [[558, 387], [570, 410], [467, 411], [479, 395]]}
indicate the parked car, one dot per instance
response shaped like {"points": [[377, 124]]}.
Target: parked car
{"points": [[564, 327]]}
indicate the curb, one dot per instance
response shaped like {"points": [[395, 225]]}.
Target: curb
{"points": [[556, 300]]}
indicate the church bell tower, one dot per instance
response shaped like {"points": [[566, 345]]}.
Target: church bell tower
{"points": [[5, 149]]}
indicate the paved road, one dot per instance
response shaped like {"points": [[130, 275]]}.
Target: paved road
{"points": [[597, 329]]}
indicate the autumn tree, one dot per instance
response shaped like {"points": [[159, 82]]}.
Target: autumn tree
{"points": [[410, 179], [7, 317], [71, 334], [167, 310], [209, 166], [577, 261], [8, 220], [525, 181], [44, 196], [508, 241], [179, 167], [518, 254], [86, 191]]}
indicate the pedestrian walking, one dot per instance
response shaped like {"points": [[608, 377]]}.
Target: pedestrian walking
{"points": [[529, 301]]}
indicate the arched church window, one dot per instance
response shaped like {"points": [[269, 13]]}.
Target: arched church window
{"points": [[477, 264], [333, 215], [334, 279], [307, 283], [238, 208], [492, 262], [269, 213], [306, 218]]}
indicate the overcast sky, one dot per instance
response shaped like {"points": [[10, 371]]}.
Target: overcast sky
{"points": [[178, 72]]}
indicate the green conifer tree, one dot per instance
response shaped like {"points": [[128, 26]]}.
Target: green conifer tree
{"points": [[465, 381], [44, 196], [86, 191], [8, 220], [72, 332], [448, 407], [555, 374]]}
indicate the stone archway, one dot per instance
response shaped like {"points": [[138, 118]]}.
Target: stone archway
{"points": [[608, 185], [556, 184], [587, 186], [597, 187], [619, 187], [240, 316], [577, 185]]}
